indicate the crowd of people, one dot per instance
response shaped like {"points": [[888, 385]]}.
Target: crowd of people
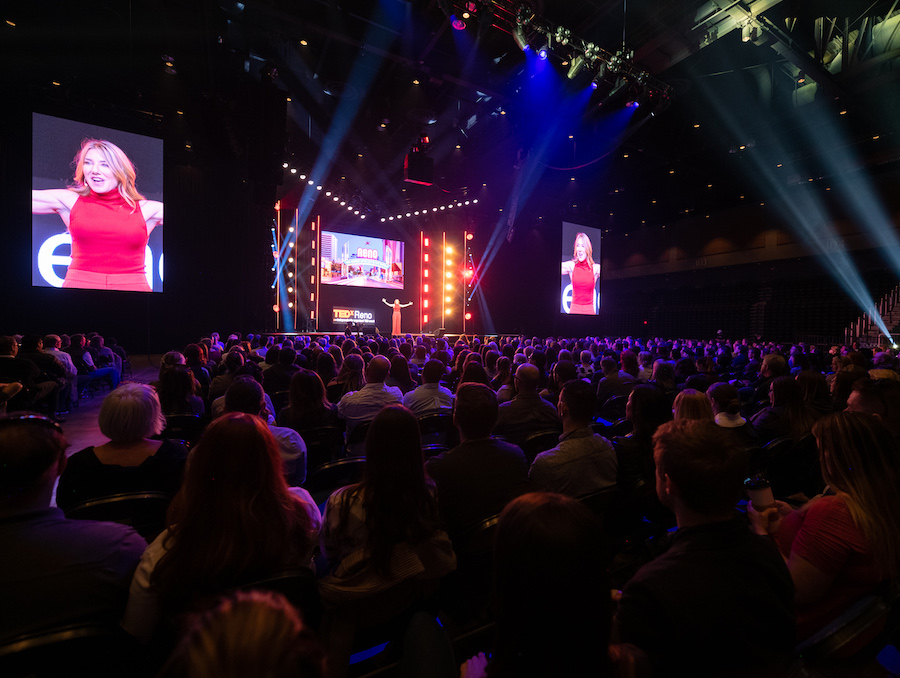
{"points": [[667, 430]]}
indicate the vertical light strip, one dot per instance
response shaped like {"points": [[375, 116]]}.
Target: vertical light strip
{"points": [[443, 278], [421, 281], [316, 226]]}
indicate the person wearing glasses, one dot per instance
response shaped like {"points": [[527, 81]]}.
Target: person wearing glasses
{"points": [[53, 571]]}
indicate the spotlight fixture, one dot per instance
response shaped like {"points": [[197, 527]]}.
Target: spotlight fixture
{"points": [[563, 35], [519, 37], [457, 23], [544, 51], [745, 32], [575, 67]]}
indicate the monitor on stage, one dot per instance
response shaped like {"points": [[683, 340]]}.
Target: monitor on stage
{"points": [[97, 207], [353, 260]]}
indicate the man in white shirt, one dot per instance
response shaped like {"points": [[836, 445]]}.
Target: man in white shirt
{"points": [[358, 407], [430, 396]]}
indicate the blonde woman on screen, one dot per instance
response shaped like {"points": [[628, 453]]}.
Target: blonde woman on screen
{"points": [[583, 273]]}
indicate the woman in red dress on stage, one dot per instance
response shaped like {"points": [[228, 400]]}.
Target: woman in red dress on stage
{"points": [[109, 221], [584, 273]]}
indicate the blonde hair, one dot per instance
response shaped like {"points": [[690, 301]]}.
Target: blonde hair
{"points": [[588, 249], [122, 168], [130, 413], [860, 461], [247, 633], [692, 404]]}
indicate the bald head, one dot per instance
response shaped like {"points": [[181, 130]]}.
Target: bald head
{"points": [[528, 376], [378, 369]]}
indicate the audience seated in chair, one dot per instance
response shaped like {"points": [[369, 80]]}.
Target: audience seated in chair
{"points": [[584, 461], [88, 373], [552, 596], [841, 546], [245, 634], [53, 571], [720, 600], [234, 520], [39, 389], [307, 406], [526, 413], [130, 461], [430, 396], [361, 406], [246, 395], [476, 479]]}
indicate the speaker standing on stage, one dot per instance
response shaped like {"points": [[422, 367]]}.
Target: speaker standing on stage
{"points": [[395, 318]]}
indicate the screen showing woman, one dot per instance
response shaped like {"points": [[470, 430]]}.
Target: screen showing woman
{"points": [[580, 282], [97, 209]]}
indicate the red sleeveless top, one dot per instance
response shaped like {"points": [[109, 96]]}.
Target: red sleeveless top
{"points": [[107, 236], [582, 283]]}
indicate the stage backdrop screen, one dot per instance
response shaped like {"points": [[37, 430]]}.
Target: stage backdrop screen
{"points": [[353, 260], [104, 189], [580, 282]]}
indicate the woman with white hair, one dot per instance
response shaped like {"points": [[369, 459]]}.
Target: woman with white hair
{"points": [[131, 461]]}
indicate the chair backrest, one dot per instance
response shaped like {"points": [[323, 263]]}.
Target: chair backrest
{"points": [[539, 442], [323, 444], [280, 400], [438, 428], [80, 650], [614, 407], [324, 480], [144, 511], [432, 449], [600, 501], [356, 440], [299, 586], [187, 427]]}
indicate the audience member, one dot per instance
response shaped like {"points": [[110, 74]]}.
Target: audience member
{"points": [[726, 407], [233, 521], [69, 385], [526, 413], [476, 479], [720, 600], [584, 461], [53, 571], [308, 407], [361, 406], [131, 461], [691, 404], [840, 546], [880, 398], [430, 396], [38, 390], [245, 395], [252, 633]]}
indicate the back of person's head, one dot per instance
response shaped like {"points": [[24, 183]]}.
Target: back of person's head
{"points": [[691, 404], [234, 360], [247, 633], [565, 371], [550, 561], [193, 354], [474, 372], [610, 366], [51, 341], [29, 445], [647, 408], [7, 345], [813, 387], [377, 370], [776, 364], [400, 369], [664, 373], [528, 377], [30, 342], [244, 395], [579, 399], [287, 356], [432, 372], [130, 413], [724, 398], [176, 385], [786, 392], [705, 463], [171, 359], [860, 459], [475, 410], [880, 397], [307, 392]]}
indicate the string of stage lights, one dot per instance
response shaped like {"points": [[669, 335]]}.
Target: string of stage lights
{"points": [[348, 203]]}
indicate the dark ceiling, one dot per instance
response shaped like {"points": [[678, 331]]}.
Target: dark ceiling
{"points": [[367, 78]]}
